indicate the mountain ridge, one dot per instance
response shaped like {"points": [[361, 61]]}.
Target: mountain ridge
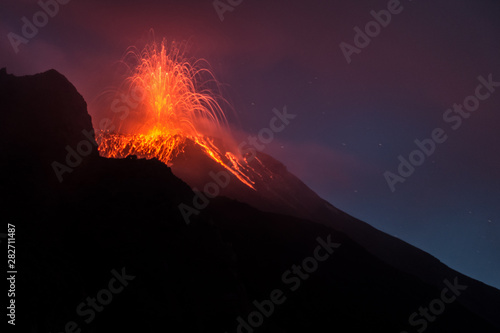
{"points": [[201, 277]]}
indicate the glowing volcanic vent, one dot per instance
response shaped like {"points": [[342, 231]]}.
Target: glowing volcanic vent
{"points": [[178, 103]]}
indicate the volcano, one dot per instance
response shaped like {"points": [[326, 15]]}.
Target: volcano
{"points": [[270, 257]]}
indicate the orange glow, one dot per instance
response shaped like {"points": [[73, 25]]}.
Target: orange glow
{"points": [[178, 103]]}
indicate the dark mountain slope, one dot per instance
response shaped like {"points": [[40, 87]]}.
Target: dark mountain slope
{"points": [[280, 191], [123, 215]]}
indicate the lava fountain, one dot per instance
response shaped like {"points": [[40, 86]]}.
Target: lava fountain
{"points": [[178, 104]]}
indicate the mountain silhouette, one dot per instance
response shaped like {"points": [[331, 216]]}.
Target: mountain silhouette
{"points": [[279, 191], [274, 259]]}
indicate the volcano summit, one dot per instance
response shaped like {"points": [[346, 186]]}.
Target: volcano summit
{"points": [[122, 213]]}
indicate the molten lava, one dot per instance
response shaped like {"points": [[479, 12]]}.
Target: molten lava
{"points": [[179, 102]]}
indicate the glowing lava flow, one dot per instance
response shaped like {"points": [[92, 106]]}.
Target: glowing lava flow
{"points": [[176, 105]]}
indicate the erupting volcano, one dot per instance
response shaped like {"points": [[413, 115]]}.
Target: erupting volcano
{"points": [[178, 104]]}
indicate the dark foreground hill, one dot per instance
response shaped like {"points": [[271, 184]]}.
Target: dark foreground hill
{"points": [[107, 249], [279, 191]]}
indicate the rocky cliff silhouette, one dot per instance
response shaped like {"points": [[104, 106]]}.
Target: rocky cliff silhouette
{"points": [[213, 274]]}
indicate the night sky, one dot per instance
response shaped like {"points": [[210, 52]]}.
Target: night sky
{"points": [[353, 118]]}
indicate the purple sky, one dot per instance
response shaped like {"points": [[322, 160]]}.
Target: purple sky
{"points": [[353, 120]]}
